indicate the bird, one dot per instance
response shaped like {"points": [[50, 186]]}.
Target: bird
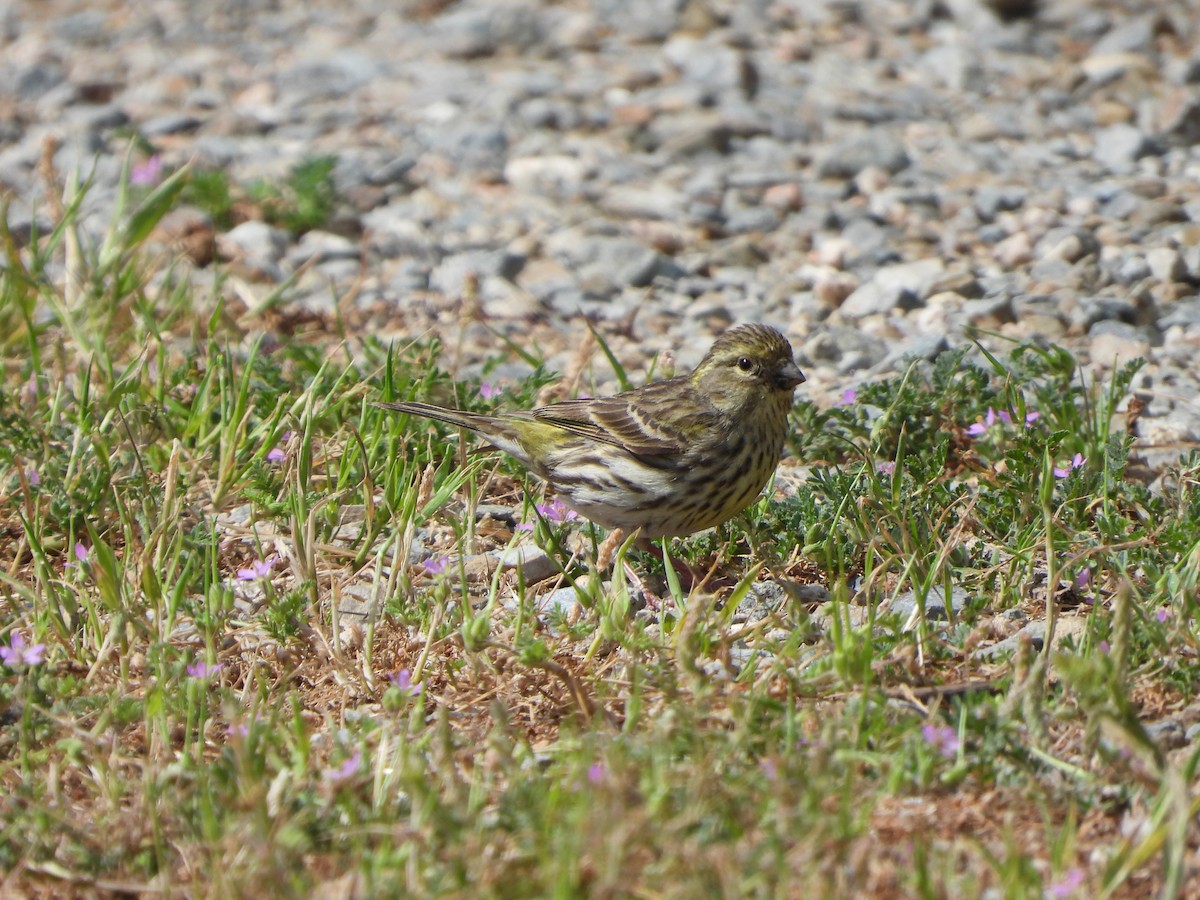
{"points": [[669, 458]]}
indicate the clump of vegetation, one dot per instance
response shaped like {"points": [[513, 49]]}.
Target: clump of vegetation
{"points": [[301, 202]]}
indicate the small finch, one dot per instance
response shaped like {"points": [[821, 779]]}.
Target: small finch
{"points": [[671, 457]]}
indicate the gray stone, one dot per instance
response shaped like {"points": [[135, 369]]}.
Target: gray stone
{"points": [[759, 219], [1168, 734], [561, 602], [1034, 632], [1180, 124], [557, 175], [97, 118], [847, 158], [393, 233], [451, 274], [1130, 269], [761, 600], [1184, 313], [1116, 343], [659, 201], [32, 82], [406, 276], [1119, 147], [255, 245], [1105, 309], [532, 561], [321, 246], [905, 605], [901, 286], [1166, 264], [170, 123], [873, 299], [869, 243], [1184, 71], [1135, 35], [991, 201], [333, 76], [847, 349], [715, 67], [925, 347], [1068, 245], [479, 148], [1191, 262], [606, 264]]}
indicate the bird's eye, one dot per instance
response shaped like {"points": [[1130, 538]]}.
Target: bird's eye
{"points": [[745, 364]]}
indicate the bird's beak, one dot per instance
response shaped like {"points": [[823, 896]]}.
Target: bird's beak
{"points": [[788, 377]]}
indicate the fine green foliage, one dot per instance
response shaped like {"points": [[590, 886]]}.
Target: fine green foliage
{"points": [[209, 190], [257, 636], [302, 201]]}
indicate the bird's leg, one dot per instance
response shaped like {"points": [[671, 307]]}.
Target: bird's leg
{"points": [[611, 551], [688, 579]]}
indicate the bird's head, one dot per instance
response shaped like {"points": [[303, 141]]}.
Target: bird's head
{"points": [[747, 366]]}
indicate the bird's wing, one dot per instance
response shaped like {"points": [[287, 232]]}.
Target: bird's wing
{"points": [[645, 421]]}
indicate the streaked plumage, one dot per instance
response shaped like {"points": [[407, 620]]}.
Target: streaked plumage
{"points": [[671, 457]]}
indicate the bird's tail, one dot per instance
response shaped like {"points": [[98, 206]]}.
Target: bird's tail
{"points": [[470, 421], [502, 432]]}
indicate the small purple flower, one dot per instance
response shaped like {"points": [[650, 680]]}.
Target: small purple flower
{"points": [[886, 468], [1076, 462], [1104, 647], [201, 669], [1071, 881], [436, 565], [488, 391], [347, 770], [403, 682], [238, 729], [81, 554], [769, 769], [17, 653], [277, 454], [148, 172], [1084, 578], [259, 568], [32, 476], [943, 737], [557, 511], [849, 395], [980, 428], [1162, 615], [597, 774]]}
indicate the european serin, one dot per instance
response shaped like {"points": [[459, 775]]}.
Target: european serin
{"points": [[671, 457]]}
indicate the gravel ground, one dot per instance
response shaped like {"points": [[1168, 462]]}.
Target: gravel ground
{"points": [[875, 178]]}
